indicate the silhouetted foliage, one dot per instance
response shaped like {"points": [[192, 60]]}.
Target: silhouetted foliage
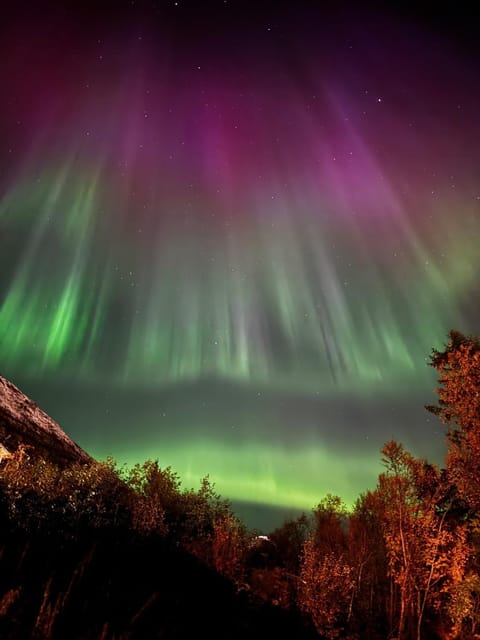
{"points": [[289, 539]]}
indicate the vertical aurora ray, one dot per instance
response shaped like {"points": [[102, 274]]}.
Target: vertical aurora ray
{"points": [[175, 222], [50, 312], [265, 280]]}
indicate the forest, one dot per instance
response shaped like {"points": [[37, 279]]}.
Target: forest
{"points": [[94, 550]]}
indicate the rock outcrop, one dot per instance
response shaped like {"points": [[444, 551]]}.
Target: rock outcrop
{"points": [[23, 422]]}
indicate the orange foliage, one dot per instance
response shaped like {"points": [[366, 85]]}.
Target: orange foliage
{"points": [[459, 407], [325, 590], [230, 546]]}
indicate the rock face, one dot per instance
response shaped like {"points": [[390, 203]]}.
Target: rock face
{"points": [[23, 422]]}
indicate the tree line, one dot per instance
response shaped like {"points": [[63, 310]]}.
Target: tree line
{"points": [[403, 563]]}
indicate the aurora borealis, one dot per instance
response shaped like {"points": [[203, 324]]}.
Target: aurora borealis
{"points": [[231, 237]]}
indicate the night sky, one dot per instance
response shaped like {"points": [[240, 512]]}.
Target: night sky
{"points": [[232, 232]]}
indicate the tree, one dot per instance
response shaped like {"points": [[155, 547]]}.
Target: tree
{"points": [[464, 607], [230, 546], [427, 551], [330, 524], [326, 585], [289, 539], [326, 577], [366, 549], [459, 407]]}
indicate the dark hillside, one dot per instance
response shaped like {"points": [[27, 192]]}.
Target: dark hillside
{"points": [[108, 586]]}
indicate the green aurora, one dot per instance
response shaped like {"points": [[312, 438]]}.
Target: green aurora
{"points": [[239, 270]]}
